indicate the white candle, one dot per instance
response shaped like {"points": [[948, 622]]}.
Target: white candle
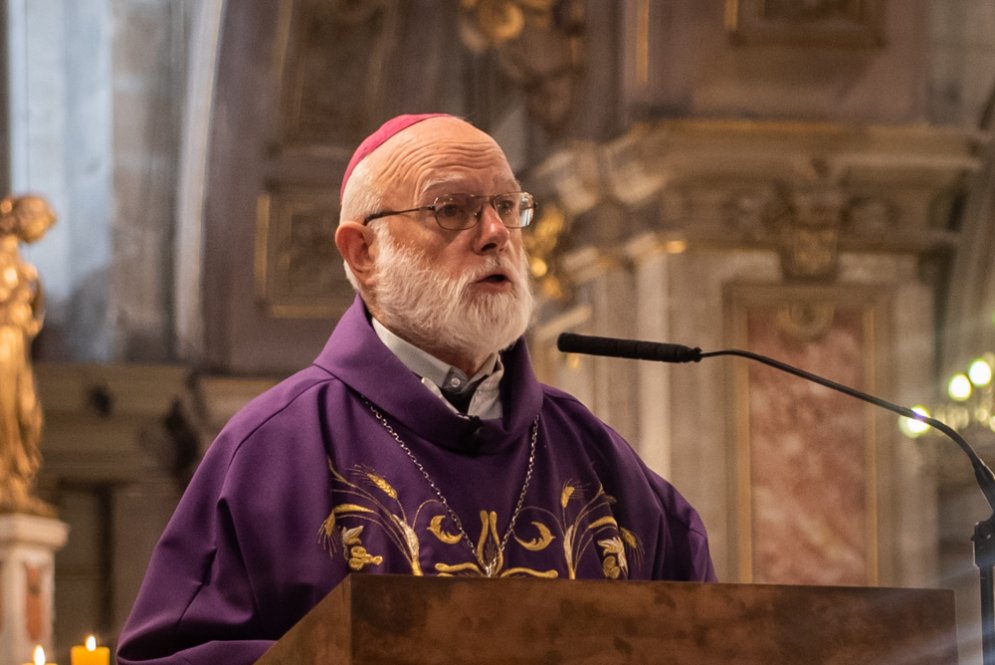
{"points": [[39, 657]]}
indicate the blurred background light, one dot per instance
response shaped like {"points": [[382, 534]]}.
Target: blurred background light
{"points": [[911, 427], [959, 387], [980, 372]]}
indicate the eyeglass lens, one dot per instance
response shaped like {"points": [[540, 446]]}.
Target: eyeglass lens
{"points": [[460, 211]]}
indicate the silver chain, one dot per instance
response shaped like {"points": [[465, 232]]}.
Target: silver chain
{"points": [[489, 570]]}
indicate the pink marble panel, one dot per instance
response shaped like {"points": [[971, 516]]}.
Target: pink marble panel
{"points": [[808, 455]]}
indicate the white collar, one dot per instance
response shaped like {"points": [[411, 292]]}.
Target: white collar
{"points": [[435, 373]]}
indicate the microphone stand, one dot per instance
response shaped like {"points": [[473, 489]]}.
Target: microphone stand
{"points": [[984, 531]]}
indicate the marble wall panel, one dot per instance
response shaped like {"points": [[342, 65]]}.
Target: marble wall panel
{"points": [[807, 459], [806, 456]]}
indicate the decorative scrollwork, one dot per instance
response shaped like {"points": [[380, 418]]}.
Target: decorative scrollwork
{"points": [[538, 44], [806, 321], [810, 236], [492, 22], [542, 244]]}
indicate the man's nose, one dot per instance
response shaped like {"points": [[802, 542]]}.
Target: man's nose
{"points": [[492, 234]]}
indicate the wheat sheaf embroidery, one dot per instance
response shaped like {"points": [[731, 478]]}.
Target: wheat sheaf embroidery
{"points": [[366, 499]]}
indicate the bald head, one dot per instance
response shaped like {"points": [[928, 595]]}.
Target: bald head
{"points": [[415, 155], [393, 126]]}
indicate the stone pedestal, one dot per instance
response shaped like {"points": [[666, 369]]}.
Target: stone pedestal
{"points": [[27, 572]]}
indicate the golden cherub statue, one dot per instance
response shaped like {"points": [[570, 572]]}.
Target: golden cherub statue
{"points": [[22, 219]]}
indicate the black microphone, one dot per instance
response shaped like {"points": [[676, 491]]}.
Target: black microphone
{"points": [[627, 348]]}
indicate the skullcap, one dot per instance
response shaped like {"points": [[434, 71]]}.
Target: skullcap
{"points": [[390, 128]]}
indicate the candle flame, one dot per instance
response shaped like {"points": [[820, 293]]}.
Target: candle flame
{"points": [[91, 643], [39, 655]]}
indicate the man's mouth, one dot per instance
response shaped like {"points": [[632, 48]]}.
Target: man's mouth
{"points": [[496, 278]]}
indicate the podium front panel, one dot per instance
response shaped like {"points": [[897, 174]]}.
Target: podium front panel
{"points": [[403, 620]]}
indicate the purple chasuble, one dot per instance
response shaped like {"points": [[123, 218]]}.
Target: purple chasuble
{"points": [[305, 486]]}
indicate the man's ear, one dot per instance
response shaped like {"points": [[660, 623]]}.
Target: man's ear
{"points": [[354, 242]]}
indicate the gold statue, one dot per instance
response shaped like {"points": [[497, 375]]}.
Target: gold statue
{"points": [[24, 218]]}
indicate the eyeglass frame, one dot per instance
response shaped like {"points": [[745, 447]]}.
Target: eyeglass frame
{"points": [[433, 208]]}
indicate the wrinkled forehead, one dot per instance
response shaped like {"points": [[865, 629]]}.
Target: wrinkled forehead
{"points": [[442, 155]]}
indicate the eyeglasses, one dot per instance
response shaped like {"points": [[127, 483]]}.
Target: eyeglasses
{"points": [[456, 212]]}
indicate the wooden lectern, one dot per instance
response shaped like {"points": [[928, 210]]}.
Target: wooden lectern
{"points": [[403, 620]]}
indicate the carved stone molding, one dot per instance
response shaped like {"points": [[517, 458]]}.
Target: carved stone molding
{"points": [[809, 230], [805, 321], [808, 191], [112, 413]]}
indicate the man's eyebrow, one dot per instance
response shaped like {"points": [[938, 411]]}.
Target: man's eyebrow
{"points": [[458, 186], [446, 185]]}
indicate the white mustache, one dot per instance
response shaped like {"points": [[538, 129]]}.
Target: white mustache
{"points": [[504, 264]]}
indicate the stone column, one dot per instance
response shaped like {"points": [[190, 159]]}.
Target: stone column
{"points": [[27, 583]]}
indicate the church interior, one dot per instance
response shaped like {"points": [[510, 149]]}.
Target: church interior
{"points": [[811, 180]]}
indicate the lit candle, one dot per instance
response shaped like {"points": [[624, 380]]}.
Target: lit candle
{"points": [[39, 657], [90, 654]]}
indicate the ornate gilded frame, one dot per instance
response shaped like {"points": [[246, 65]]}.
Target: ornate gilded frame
{"points": [[837, 23], [298, 271]]}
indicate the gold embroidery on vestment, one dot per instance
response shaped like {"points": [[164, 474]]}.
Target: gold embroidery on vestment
{"points": [[538, 544], [381, 484], [352, 545], [372, 500], [613, 561], [435, 528], [580, 530]]}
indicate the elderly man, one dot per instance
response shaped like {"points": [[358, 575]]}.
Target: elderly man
{"points": [[419, 441]]}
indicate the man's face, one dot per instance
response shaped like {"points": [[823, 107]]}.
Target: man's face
{"points": [[441, 313], [430, 281], [446, 156]]}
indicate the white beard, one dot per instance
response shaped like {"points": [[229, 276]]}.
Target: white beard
{"points": [[433, 311]]}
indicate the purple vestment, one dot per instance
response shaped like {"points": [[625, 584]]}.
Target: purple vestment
{"points": [[306, 485]]}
